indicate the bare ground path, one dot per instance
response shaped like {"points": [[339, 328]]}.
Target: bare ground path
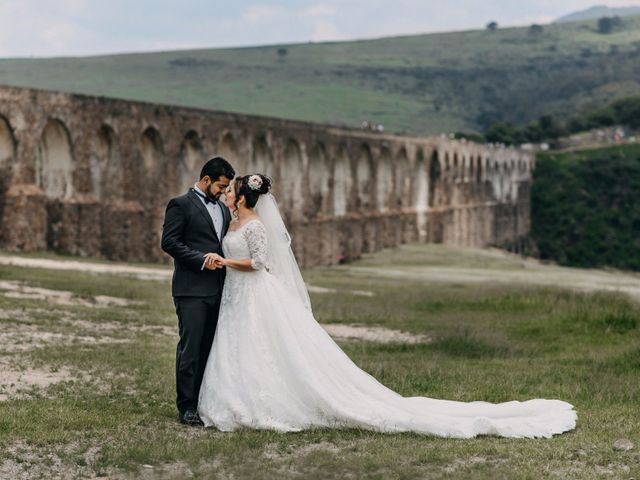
{"points": [[523, 271]]}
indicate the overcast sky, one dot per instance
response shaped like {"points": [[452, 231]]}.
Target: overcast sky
{"points": [[86, 27]]}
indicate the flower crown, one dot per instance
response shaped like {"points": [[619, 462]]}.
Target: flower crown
{"points": [[254, 182]]}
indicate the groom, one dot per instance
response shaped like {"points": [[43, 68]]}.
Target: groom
{"points": [[194, 225]]}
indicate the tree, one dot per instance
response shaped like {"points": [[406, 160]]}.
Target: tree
{"points": [[492, 26], [607, 24], [471, 137], [282, 52], [602, 117], [536, 29], [503, 132], [627, 111], [576, 124], [550, 128], [533, 132]]}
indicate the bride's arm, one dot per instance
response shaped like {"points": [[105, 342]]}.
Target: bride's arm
{"points": [[256, 237], [243, 265]]}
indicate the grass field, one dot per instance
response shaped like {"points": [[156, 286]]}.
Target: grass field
{"points": [[419, 84], [499, 328]]}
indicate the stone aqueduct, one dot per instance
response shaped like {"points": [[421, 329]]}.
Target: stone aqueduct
{"points": [[91, 176]]}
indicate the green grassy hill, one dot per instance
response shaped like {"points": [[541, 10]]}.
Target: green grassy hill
{"points": [[419, 84], [599, 11]]}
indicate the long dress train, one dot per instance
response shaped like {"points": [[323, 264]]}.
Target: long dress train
{"points": [[272, 366]]}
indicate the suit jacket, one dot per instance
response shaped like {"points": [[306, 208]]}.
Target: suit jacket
{"points": [[187, 235]]}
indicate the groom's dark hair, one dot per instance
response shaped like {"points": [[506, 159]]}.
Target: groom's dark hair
{"points": [[216, 168]]}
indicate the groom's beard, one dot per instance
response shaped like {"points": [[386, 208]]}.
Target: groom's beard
{"points": [[211, 195]]}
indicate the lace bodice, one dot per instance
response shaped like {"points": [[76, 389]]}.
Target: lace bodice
{"points": [[248, 241]]}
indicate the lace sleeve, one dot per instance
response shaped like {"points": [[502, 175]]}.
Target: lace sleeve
{"points": [[256, 237]]}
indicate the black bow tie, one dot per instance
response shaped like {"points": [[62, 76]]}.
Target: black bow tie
{"points": [[206, 199]]}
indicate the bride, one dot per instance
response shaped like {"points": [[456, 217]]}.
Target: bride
{"points": [[272, 366]]}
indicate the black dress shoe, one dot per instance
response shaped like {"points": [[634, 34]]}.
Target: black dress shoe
{"points": [[191, 417]]}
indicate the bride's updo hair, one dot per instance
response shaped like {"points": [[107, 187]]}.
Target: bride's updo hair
{"points": [[251, 187]]}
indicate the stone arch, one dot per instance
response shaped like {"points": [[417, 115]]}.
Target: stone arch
{"points": [[54, 161], [155, 172], [190, 161], [319, 176], [421, 195], [402, 179], [7, 159], [478, 169], [384, 180], [154, 169], [152, 149], [7, 145], [503, 175], [447, 167], [364, 171], [434, 182], [342, 182], [262, 158], [107, 171], [291, 179], [228, 149], [455, 169]]}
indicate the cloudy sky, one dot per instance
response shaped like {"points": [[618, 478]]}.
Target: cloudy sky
{"points": [[86, 27]]}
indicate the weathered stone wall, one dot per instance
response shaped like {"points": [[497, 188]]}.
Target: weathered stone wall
{"points": [[91, 176]]}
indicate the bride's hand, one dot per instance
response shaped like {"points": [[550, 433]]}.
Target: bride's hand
{"points": [[213, 261]]}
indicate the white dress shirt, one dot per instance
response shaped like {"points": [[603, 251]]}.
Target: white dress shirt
{"points": [[214, 211]]}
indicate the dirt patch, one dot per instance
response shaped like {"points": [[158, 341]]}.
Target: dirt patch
{"points": [[22, 338], [583, 469], [21, 383], [274, 452], [530, 273], [373, 334], [466, 463], [164, 471], [26, 462], [14, 289], [107, 328], [142, 273], [21, 314], [359, 293]]}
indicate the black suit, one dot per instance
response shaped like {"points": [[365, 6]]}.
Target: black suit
{"points": [[188, 234]]}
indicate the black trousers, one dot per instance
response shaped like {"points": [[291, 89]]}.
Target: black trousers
{"points": [[197, 321]]}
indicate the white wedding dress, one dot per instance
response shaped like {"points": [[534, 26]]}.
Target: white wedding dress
{"points": [[272, 366]]}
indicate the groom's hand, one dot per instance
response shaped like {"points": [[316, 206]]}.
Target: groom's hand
{"points": [[213, 261]]}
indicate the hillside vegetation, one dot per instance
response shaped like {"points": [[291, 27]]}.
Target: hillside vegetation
{"points": [[586, 207], [459, 81]]}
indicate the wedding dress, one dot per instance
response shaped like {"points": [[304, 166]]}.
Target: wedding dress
{"points": [[272, 366]]}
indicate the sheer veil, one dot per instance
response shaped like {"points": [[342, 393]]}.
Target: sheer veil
{"points": [[280, 259]]}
